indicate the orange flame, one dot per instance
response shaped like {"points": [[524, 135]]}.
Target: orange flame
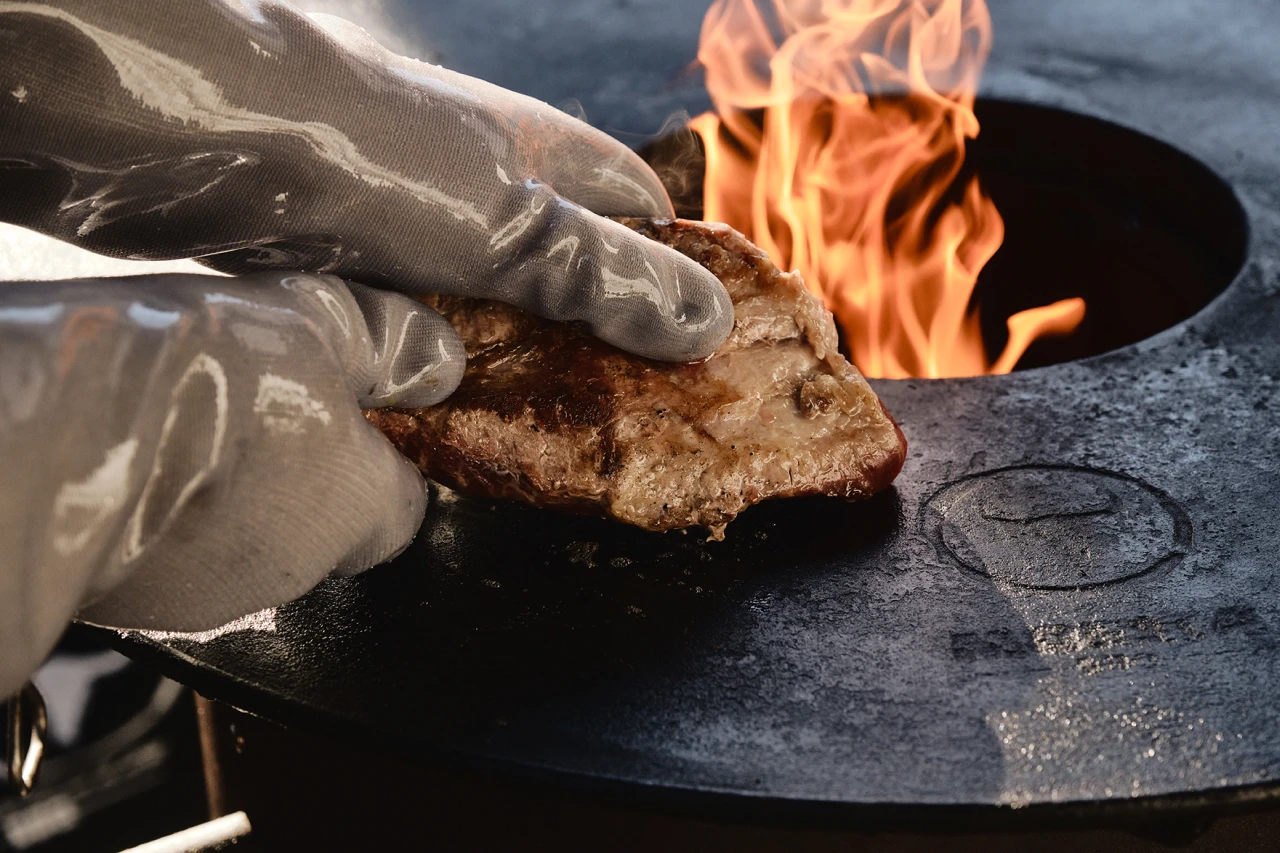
{"points": [[837, 151]]}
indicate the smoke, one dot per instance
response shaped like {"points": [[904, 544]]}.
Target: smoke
{"points": [[376, 17], [574, 108], [676, 155]]}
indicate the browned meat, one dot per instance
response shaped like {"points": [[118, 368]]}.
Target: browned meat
{"points": [[549, 415]]}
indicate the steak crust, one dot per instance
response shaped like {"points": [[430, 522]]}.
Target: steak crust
{"points": [[549, 415]]}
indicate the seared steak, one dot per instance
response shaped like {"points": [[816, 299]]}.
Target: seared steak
{"points": [[549, 415]]}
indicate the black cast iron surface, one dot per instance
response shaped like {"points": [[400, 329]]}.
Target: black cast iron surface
{"points": [[1070, 595]]}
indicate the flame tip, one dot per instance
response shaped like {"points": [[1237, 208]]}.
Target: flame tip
{"points": [[838, 135]]}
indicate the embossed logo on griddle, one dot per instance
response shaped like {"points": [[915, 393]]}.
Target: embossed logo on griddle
{"points": [[1057, 527]]}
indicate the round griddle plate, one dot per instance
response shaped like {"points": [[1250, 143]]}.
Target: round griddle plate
{"points": [[1069, 597]]}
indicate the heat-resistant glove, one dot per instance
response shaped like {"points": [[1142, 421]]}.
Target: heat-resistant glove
{"points": [[255, 137], [181, 450]]}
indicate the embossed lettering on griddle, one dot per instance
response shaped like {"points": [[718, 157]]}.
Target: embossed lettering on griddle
{"points": [[1051, 527]]}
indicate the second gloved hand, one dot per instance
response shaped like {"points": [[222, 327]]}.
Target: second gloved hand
{"points": [[182, 450]]}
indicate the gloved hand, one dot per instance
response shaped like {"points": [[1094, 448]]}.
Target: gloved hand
{"points": [[182, 450], [257, 138]]}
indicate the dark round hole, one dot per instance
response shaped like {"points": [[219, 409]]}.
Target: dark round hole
{"points": [[1145, 233]]}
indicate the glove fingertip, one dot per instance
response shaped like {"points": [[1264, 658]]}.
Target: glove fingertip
{"points": [[691, 319], [704, 318], [419, 357], [444, 372]]}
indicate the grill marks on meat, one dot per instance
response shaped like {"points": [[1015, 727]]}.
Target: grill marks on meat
{"points": [[548, 415]]}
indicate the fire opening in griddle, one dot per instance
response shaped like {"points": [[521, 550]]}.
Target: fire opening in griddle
{"points": [[846, 144]]}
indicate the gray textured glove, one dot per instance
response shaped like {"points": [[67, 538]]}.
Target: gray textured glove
{"points": [[254, 137], [182, 450]]}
